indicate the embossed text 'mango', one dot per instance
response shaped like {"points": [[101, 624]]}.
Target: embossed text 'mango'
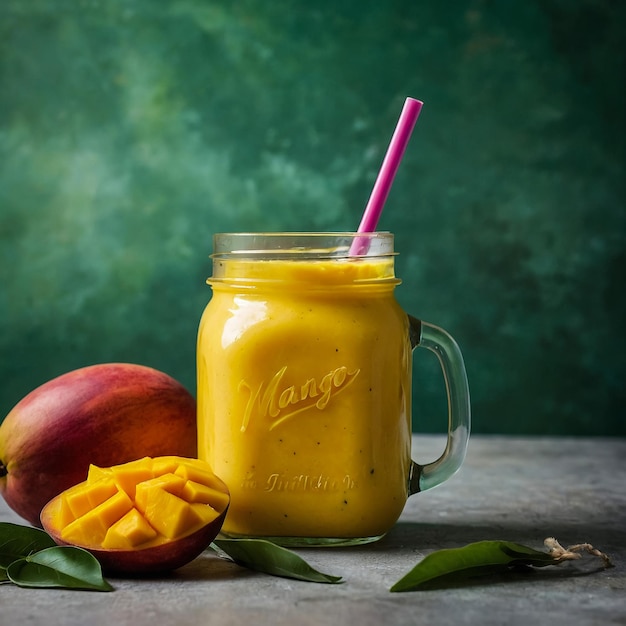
{"points": [[276, 403]]}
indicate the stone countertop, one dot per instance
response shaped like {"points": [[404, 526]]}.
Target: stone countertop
{"points": [[519, 489]]}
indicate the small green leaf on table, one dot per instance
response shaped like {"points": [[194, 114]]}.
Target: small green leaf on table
{"points": [[267, 557], [487, 557], [17, 542], [67, 567]]}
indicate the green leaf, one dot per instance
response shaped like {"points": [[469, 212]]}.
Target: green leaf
{"points": [[482, 557], [527, 556], [17, 542], [67, 567], [269, 558]]}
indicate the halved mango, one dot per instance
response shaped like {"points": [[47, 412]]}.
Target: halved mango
{"points": [[146, 515]]}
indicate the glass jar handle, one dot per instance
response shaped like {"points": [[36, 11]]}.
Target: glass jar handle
{"points": [[437, 340]]}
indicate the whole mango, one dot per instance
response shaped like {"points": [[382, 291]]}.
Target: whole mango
{"points": [[103, 415]]}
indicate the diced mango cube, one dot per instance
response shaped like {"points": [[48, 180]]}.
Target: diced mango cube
{"points": [[101, 491], [96, 473], [63, 513], [76, 501], [91, 528], [168, 514], [200, 475], [205, 512], [171, 483], [85, 496], [87, 530], [114, 508], [129, 532], [165, 465], [196, 492], [168, 482], [128, 475]]}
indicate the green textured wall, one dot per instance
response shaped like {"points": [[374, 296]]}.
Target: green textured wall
{"points": [[131, 131]]}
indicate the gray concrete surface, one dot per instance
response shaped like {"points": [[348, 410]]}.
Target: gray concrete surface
{"points": [[520, 489]]}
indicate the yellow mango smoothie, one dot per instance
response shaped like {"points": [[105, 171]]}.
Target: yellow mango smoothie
{"points": [[304, 378]]}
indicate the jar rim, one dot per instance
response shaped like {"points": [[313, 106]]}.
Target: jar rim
{"points": [[302, 245]]}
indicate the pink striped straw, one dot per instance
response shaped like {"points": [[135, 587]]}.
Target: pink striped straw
{"points": [[391, 162]]}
